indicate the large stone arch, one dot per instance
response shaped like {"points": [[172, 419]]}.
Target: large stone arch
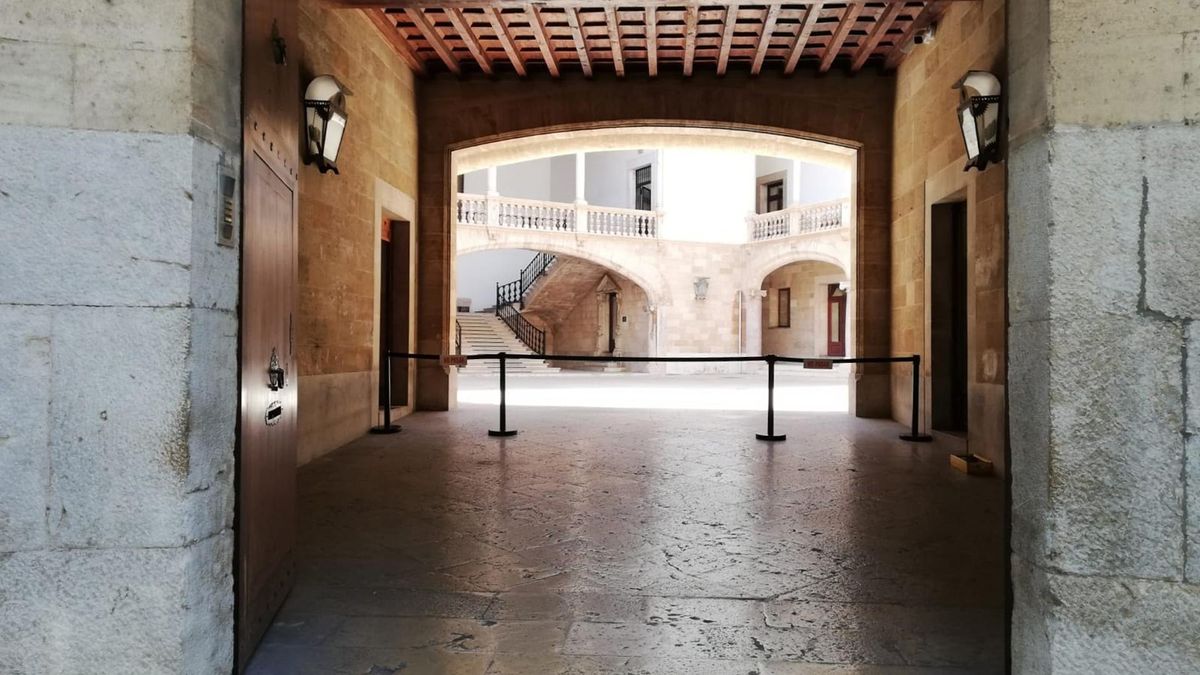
{"points": [[851, 112], [647, 277]]}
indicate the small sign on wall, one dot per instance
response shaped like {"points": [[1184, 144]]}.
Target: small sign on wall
{"points": [[448, 360], [818, 364]]}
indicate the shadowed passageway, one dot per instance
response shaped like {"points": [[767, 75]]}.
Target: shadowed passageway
{"points": [[641, 541]]}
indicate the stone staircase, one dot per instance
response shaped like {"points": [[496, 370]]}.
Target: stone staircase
{"points": [[484, 333]]}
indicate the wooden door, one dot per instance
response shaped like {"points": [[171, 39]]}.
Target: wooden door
{"points": [[394, 297], [267, 434], [836, 321]]}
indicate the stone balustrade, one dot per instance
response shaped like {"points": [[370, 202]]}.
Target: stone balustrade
{"points": [[799, 219], [531, 214]]}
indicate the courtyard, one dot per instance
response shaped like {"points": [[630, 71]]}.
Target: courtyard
{"points": [[646, 532]]}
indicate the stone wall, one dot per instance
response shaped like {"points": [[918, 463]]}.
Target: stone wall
{"points": [[927, 169], [1103, 278], [855, 111], [340, 216], [807, 334], [118, 329]]}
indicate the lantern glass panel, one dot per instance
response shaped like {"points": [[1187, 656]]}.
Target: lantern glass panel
{"points": [[334, 128], [970, 132]]}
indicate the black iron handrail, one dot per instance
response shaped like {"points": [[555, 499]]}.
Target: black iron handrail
{"points": [[529, 335], [535, 269], [457, 336], [914, 434]]}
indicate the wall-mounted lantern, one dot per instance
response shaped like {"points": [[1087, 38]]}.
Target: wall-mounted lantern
{"points": [[325, 120], [979, 117], [701, 286]]}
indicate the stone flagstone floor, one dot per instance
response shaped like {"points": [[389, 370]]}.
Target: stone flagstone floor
{"points": [[647, 540]]}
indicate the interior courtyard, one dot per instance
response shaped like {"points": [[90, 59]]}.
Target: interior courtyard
{"points": [[599, 336]]}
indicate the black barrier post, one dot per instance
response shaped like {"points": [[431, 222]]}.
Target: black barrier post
{"points": [[916, 436], [771, 435], [503, 430], [386, 377]]}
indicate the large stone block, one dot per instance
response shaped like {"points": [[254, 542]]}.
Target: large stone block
{"points": [[1192, 526], [1071, 624], [1094, 221], [1172, 221], [1116, 411], [1029, 436], [24, 426], [1029, 224], [100, 219], [212, 367], [119, 438], [35, 82], [129, 24], [215, 270], [132, 90], [162, 610]]}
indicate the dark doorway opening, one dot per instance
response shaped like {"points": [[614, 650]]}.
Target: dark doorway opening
{"points": [[948, 316], [836, 318], [612, 323], [395, 272]]}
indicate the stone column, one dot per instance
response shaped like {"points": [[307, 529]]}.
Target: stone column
{"points": [[753, 319], [118, 326], [580, 178], [1104, 228], [793, 184]]}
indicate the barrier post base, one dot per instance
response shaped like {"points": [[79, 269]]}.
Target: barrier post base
{"points": [[771, 437], [502, 432], [917, 438]]}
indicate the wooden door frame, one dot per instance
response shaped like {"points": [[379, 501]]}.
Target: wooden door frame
{"points": [[829, 302]]}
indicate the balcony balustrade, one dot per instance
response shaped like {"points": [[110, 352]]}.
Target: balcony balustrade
{"points": [[531, 214], [800, 219]]}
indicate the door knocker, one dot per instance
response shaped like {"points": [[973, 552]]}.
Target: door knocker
{"points": [[276, 375]]}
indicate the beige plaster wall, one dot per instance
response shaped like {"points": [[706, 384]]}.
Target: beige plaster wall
{"points": [[808, 333], [927, 169], [340, 215]]}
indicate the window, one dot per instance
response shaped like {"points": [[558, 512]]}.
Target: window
{"points": [[784, 307], [774, 197], [643, 195]]}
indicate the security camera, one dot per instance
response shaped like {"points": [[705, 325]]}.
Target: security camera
{"points": [[926, 35]]}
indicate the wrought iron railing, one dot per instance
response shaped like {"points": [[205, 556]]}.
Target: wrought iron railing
{"points": [[534, 270], [510, 300], [530, 335], [457, 336]]}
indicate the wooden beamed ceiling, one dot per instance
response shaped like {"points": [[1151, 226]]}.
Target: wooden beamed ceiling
{"points": [[648, 36]]}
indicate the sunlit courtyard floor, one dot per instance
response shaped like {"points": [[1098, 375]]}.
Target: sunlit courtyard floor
{"points": [[636, 526]]}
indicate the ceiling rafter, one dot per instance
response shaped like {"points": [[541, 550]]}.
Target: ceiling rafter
{"points": [[649, 36]]}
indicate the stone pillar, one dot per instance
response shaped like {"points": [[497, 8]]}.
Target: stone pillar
{"points": [[1104, 228], [753, 319], [580, 178], [118, 326]]}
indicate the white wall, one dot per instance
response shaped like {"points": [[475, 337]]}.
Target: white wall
{"points": [[548, 178], [477, 274], [609, 176], [820, 183], [705, 194]]}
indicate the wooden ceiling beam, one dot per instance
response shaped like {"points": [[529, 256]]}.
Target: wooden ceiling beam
{"points": [[882, 24], [764, 39], [507, 4], [930, 14], [463, 28], [839, 36], [806, 29], [417, 16], [387, 26], [614, 38], [652, 40], [585, 61], [505, 38], [691, 19], [727, 38], [538, 25]]}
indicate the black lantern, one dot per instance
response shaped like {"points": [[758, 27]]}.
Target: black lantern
{"points": [[325, 121], [979, 117]]}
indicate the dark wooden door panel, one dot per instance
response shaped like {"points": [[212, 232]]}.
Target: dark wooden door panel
{"points": [[266, 507]]}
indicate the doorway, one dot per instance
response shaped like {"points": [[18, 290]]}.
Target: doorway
{"points": [[836, 330], [612, 323], [395, 283], [948, 317]]}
